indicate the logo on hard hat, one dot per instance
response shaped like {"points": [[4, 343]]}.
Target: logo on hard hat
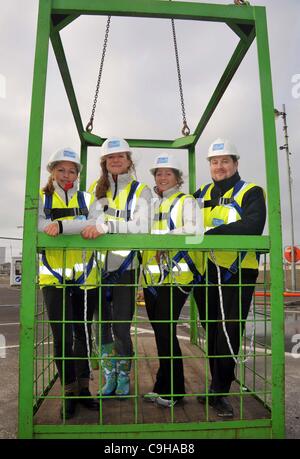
{"points": [[69, 154], [163, 160], [114, 144], [218, 146]]}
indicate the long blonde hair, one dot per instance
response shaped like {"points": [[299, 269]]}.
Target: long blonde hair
{"points": [[103, 183]]}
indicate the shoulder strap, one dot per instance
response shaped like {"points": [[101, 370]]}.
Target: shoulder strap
{"points": [[82, 203], [48, 205], [201, 193], [133, 188], [171, 224]]}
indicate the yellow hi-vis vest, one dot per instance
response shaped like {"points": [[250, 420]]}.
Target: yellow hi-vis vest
{"points": [[122, 207], [169, 216], [59, 266], [225, 213]]}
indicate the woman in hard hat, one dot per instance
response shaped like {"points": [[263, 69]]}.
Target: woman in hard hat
{"points": [[63, 275], [169, 275], [122, 205]]}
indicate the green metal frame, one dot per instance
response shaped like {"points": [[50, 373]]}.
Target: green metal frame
{"points": [[247, 22]]}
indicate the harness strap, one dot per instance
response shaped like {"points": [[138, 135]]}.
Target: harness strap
{"points": [[81, 279], [54, 273], [57, 212], [120, 213], [171, 224]]}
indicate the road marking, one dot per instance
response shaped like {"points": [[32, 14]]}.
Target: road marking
{"points": [[9, 305], [10, 323]]}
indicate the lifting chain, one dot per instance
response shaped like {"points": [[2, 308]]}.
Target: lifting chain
{"points": [[241, 2], [89, 126], [185, 129]]}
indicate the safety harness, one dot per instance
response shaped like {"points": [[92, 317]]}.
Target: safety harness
{"points": [[199, 195], [57, 213], [174, 262], [114, 276]]}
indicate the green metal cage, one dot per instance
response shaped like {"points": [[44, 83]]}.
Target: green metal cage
{"points": [[262, 379]]}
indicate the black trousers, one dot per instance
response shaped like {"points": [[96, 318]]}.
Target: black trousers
{"points": [[117, 304], [223, 369], [70, 339], [158, 308]]}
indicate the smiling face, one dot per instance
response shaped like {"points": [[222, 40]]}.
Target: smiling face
{"points": [[165, 178], [64, 172], [118, 163], [222, 167]]}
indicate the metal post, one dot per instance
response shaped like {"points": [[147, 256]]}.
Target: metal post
{"points": [[286, 148]]}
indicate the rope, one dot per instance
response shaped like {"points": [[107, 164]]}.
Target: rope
{"points": [[165, 266], [185, 129], [85, 315], [239, 359], [89, 126]]}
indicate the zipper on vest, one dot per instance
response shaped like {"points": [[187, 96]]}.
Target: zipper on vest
{"points": [[116, 189], [66, 195]]}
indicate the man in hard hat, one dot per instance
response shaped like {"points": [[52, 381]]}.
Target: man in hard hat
{"points": [[231, 207]]}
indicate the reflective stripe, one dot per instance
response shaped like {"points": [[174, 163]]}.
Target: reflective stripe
{"points": [[165, 231], [161, 216], [87, 198], [45, 271], [79, 267], [121, 253], [154, 269], [232, 215]]}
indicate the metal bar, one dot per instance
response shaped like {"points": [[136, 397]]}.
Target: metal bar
{"points": [[156, 8], [147, 241], [192, 188], [66, 77], [64, 21], [83, 160], [28, 292], [226, 78], [273, 198], [93, 140], [287, 152]]}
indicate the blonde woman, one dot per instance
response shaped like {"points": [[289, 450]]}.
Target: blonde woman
{"points": [[62, 279]]}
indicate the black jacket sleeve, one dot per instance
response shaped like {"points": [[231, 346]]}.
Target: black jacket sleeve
{"points": [[253, 217]]}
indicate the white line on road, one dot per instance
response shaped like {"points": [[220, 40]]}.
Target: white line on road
{"points": [[10, 323], [9, 305]]}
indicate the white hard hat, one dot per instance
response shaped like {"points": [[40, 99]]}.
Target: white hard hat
{"points": [[65, 154], [222, 147], [114, 145], [165, 160]]}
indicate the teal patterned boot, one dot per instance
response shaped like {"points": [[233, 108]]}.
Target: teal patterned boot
{"points": [[123, 380], [109, 369]]}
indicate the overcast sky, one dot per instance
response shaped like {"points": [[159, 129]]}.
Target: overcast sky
{"points": [[139, 95]]}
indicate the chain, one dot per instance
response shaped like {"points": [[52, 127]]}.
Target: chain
{"points": [[241, 2], [185, 129], [89, 126]]}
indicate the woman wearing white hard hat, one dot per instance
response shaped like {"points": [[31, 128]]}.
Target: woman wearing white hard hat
{"points": [[122, 205], [62, 279], [175, 213]]}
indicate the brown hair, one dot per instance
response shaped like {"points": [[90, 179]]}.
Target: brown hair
{"points": [[103, 183], [49, 187]]}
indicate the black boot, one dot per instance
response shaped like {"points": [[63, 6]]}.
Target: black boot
{"points": [[70, 406], [90, 403], [222, 407]]}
